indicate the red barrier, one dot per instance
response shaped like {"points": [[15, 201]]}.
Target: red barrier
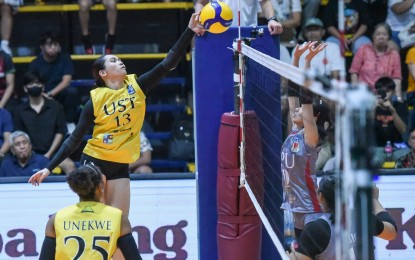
{"points": [[239, 228]]}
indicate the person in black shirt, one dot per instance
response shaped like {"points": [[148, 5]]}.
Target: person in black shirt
{"points": [[390, 121], [43, 119], [357, 20]]}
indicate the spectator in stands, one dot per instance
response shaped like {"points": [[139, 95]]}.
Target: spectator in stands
{"points": [[42, 119], [8, 9], [356, 24], [375, 60], [408, 159], [327, 148], [23, 161], [410, 91], [6, 127], [111, 6], [309, 10], [407, 36], [288, 13], [7, 71], [56, 69], [400, 13], [390, 121], [316, 241], [410, 62], [142, 164], [329, 62]]}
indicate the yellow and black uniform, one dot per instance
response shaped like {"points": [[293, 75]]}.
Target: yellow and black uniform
{"points": [[119, 116], [87, 230]]}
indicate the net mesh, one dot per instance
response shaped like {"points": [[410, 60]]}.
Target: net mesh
{"points": [[263, 140], [262, 77], [262, 100]]}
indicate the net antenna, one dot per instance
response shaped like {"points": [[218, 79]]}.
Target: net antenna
{"points": [[238, 78]]}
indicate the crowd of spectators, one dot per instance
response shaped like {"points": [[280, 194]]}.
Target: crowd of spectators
{"points": [[379, 47]]}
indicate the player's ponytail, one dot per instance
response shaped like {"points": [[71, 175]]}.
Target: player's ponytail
{"points": [[97, 66]]}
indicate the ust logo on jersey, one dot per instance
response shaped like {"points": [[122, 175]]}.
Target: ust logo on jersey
{"points": [[107, 139], [295, 145], [130, 89]]}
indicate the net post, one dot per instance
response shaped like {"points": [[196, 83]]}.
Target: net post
{"points": [[358, 139], [239, 106], [236, 82]]}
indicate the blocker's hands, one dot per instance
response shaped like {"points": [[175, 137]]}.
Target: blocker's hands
{"points": [[195, 25], [300, 49], [314, 50], [39, 176]]}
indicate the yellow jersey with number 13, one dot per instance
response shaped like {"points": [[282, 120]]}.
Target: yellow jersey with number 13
{"points": [[119, 116], [87, 230]]}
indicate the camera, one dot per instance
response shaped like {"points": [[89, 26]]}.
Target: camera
{"points": [[381, 93]]}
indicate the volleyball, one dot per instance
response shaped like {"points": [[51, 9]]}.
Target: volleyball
{"points": [[216, 17]]}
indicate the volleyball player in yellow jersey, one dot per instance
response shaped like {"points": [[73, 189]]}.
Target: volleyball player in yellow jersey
{"points": [[116, 112], [89, 229]]}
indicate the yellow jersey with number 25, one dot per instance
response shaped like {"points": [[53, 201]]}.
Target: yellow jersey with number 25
{"points": [[87, 231]]}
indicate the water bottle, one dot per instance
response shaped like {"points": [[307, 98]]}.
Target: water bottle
{"points": [[388, 151]]}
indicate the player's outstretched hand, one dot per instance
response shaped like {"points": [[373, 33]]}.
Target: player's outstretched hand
{"points": [[195, 25], [314, 50], [38, 177], [300, 49]]}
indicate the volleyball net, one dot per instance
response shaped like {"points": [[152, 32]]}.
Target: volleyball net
{"points": [[263, 130]]}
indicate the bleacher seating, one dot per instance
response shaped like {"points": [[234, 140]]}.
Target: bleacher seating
{"points": [[61, 16]]}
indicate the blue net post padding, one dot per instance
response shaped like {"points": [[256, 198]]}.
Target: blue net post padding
{"points": [[213, 95]]}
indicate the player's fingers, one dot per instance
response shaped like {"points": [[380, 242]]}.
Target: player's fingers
{"points": [[34, 180], [31, 179]]}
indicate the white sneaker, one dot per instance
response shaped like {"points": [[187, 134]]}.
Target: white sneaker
{"points": [[70, 126], [5, 47]]}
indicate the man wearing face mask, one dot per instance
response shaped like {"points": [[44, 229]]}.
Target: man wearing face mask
{"points": [[42, 119], [56, 69]]}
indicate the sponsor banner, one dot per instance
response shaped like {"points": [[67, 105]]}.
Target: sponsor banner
{"points": [[397, 196], [163, 216]]}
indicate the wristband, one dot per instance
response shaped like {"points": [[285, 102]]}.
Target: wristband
{"points": [[379, 226], [384, 216], [293, 89], [272, 18], [306, 96]]}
